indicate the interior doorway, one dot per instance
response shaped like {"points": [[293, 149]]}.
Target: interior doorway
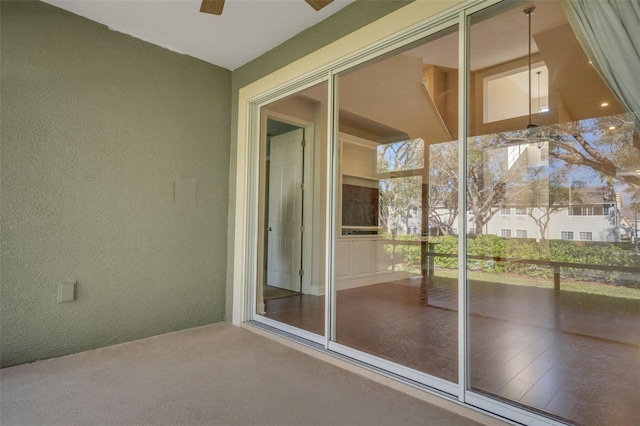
{"points": [[286, 272], [284, 209]]}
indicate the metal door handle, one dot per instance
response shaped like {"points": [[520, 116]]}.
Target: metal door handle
{"points": [[269, 229]]}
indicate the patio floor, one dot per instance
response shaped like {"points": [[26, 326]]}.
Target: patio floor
{"points": [[217, 374]]}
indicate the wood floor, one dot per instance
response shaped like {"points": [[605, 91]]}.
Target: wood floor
{"points": [[576, 357]]}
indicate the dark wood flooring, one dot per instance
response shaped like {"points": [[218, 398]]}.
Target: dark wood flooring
{"points": [[578, 359]]}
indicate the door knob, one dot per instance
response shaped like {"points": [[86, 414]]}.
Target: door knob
{"points": [[269, 229]]}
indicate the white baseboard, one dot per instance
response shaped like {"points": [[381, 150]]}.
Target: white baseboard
{"points": [[370, 280]]}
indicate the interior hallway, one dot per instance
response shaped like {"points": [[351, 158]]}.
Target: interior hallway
{"points": [[217, 374]]}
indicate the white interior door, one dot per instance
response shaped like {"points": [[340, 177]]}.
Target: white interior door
{"points": [[284, 229]]}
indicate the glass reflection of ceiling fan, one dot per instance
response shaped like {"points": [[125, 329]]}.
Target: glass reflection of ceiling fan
{"points": [[215, 6]]}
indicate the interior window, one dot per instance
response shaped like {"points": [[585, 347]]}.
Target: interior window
{"points": [[506, 94]]}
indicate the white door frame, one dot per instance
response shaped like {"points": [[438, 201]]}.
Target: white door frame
{"points": [[307, 206]]}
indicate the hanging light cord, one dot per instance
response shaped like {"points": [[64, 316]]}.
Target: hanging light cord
{"points": [[529, 11]]}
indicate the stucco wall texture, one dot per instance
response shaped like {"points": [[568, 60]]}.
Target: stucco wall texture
{"points": [[114, 174]]}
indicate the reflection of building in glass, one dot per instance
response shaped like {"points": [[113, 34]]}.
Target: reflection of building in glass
{"points": [[590, 214], [587, 214]]}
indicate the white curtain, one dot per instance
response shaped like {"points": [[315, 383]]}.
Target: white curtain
{"points": [[609, 31]]}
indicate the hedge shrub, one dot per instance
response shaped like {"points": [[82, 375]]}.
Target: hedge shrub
{"points": [[495, 248]]}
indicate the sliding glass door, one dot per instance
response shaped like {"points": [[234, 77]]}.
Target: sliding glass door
{"points": [[552, 188], [458, 206], [397, 207]]}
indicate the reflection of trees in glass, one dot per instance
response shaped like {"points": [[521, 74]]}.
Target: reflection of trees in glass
{"points": [[443, 187], [605, 144], [502, 168], [488, 177], [401, 205], [542, 192], [547, 197], [401, 156], [401, 194]]}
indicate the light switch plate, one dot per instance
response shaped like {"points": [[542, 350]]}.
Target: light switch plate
{"points": [[67, 292]]}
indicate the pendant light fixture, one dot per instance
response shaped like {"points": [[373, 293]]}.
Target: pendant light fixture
{"points": [[539, 108], [529, 11]]}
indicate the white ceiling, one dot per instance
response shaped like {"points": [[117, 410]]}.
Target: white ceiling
{"points": [[245, 30]]}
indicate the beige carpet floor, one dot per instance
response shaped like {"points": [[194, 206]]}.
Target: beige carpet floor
{"points": [[212, 375]]}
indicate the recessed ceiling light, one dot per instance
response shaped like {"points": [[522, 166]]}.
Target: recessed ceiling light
{"points": [[612, 128], [604, 104]]}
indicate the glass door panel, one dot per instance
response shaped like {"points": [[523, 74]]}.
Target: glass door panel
{"points": [[290, 285], [552, 198], [396, 279]]}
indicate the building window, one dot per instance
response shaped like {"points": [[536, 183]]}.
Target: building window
{"points": [[506, 233], [521, 233], [544, 153], [454, 231], [585, 211], [566, 235], [505, 98], [520, 211], [514, 152], [471, 231], [586, 236], [505, 211]]}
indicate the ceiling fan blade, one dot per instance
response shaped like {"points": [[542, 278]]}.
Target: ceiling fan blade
{"points": [[212, 6], [318, 4]]}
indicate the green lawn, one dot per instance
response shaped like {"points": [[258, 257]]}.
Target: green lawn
{"points": [[566, 285]]}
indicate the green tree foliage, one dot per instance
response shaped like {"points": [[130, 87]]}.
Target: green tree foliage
{"points": [[607, 145], [443, 187], [403, 164]]}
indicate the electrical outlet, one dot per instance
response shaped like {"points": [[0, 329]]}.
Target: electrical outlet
{"points": [[67, 292]]}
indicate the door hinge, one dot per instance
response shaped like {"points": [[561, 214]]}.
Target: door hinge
{"points": [[301, 272], [303, 143], [302, 186], [302, 229]]}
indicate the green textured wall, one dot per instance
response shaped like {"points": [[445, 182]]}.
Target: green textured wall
{"points": [[353, 17], [96, 128]]}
